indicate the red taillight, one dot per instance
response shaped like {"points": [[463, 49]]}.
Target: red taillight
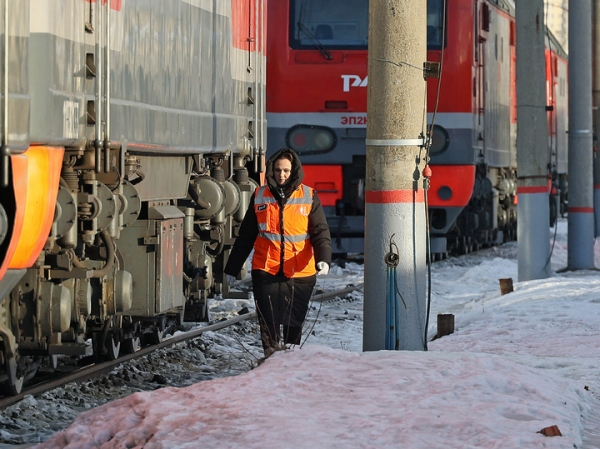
{"points": [[299, 140], [310, 139]]}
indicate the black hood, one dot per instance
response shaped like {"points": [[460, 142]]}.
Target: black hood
{"points": [[296, 176]]}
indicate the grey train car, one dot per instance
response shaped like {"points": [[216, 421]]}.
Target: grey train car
{"points": [[133, 133]]}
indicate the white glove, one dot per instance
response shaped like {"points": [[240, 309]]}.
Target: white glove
{"points": [[322, 268], [230, 280]]}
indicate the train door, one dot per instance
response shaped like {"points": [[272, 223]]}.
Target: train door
{"points": [[482, 25]]}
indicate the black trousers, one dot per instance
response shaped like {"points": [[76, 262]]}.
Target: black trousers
{"points": [[281, 302]]}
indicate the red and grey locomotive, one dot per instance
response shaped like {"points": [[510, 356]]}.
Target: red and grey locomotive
{"points": [[316, 104]]}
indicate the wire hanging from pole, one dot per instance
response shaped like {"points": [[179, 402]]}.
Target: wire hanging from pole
{"points": [[429, 139], [392, 328]]}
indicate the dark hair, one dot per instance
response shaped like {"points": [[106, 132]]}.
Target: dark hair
{"points": [[287, 156]]}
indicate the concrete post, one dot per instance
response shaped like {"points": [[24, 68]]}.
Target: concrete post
{"points": [[533, 158], [395, 221], [596, 108], [581, 202]]}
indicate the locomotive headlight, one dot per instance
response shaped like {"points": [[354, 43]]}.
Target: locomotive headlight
{"points": [[440, 140], [311, 139], [323, 140]]}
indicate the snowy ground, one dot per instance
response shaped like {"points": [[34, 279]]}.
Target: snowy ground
{"points": [[516, 364], [215, 354]]}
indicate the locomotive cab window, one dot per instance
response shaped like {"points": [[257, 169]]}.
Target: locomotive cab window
{"points": [[435, 24], [330, 24], [344, 24]]}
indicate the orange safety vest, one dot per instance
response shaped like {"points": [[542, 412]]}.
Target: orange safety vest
{"points": [[283, 235]]}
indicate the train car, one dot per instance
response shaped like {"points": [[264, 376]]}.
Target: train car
{"points": [[558, 122], [316, 104], [132, 134]]}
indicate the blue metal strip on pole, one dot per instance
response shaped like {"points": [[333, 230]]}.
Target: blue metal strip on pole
{"points": [[392, 331], [396, 316], [392, 328], [390, 322]]}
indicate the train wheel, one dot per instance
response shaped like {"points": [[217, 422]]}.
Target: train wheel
{"points": [[131, 342], [153, 336], [107, 351], [113, 346], [462, 246], [196, 312], [12, 389], [131, 345], [14, 384]]}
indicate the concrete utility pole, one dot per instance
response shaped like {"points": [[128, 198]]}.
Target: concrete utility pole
{"points": [[581, 201], [395, 221], [533, 158], [596, 115]]}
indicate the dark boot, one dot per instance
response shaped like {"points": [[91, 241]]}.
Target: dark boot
{"points": [[292, 335]]}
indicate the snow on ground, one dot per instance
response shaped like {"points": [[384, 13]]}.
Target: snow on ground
{"points": [[516, 364], [319, 397]]}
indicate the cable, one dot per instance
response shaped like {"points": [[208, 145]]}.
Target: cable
{"points": [[427, 149], [428, 250], [309, 333], [392, 328]]}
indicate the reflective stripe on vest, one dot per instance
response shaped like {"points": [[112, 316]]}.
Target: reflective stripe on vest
{"points": [[293, 242]]}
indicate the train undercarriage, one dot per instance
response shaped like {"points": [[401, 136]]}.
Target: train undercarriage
{"points": [[489, 218], [122, 266]]}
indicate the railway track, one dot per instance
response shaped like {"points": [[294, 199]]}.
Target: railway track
{"points": [[326, 296], [98, 369]]}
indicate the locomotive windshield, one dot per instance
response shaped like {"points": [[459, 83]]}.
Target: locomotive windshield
{"points": [[329, 24], [344, 24], [435, 22]]}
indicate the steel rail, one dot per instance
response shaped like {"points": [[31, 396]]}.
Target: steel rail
{"points": [[321, 297], [105, 367], [97, 369]]}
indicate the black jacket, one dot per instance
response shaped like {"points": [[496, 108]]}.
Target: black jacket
{"points": [[318, 230]]}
